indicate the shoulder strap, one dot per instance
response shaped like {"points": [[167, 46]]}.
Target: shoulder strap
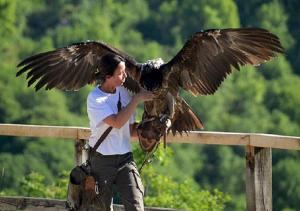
{"points": [[107, 131], [101, 139]]}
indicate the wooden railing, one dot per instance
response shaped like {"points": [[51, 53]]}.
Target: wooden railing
{"points": [[257, 147]]}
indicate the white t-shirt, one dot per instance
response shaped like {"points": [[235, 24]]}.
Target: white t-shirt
{"points": [[101, 105]]}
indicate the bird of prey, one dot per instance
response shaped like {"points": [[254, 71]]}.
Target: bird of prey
{"points": [[199, 67]]}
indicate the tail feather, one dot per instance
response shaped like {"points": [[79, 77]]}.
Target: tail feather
{"points": [[185, 119]]}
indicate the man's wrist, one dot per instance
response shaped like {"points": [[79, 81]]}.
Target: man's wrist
{"points": [[135, 100]]}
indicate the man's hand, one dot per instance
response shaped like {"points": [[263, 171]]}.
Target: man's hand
{"points": [[118, 120], [143, 95]]}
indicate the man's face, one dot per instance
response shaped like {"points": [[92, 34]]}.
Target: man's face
{"points": [[119, 76]]}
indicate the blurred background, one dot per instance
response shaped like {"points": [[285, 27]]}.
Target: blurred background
{"points": [[191, 177]]}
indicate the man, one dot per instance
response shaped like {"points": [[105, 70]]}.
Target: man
{"points": [[113, 162]]}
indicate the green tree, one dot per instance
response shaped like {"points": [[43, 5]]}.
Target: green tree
{"points": [[286, 176], [292, 9], [273, 17]]}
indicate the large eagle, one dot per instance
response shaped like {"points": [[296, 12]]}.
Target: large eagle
{"points": [[199, 67]]}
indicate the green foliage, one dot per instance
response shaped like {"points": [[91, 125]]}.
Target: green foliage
{"points": [[164, 191], [7, 17], [273, 17], [186, 195], [286, 175], [33, 185], [44, 156], [293, 22]]}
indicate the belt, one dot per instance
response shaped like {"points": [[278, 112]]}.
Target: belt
{"points": [[98, 154]]}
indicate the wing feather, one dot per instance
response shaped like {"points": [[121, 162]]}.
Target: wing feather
{"points": [[209, 56], [131, 85], [71, 67]]}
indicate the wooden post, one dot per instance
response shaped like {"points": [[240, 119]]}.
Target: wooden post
{"points": [[258, 178], [80, 152]]}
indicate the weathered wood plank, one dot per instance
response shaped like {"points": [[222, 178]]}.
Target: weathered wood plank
{"points": [[37, 204], [258, 179], [38, 131], [275, 141], [81, 154], [84, 133], [204, 137], [194, 137], [31, 204]]}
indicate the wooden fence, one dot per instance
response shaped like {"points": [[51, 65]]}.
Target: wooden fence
{"points": [[258, 152]]}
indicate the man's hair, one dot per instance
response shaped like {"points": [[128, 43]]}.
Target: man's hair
{"points": [[108, 64]]}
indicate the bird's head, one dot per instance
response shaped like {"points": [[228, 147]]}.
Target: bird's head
{"points": [[151, 74]]}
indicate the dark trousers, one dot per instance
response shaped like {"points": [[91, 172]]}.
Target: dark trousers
{"points": [[121, 171]]}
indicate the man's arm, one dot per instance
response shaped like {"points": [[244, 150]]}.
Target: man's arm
{"points": [[118, 120]]}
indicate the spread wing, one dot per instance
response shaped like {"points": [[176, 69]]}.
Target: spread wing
{"points": [[209, 56], [131, 85], [71, 67]]}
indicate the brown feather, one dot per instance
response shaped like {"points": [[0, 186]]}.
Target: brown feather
{"points": [[78, 59], [211, 54], [200, 67]]}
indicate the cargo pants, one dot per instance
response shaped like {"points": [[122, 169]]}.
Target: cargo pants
{"points": [[121, 171]]}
